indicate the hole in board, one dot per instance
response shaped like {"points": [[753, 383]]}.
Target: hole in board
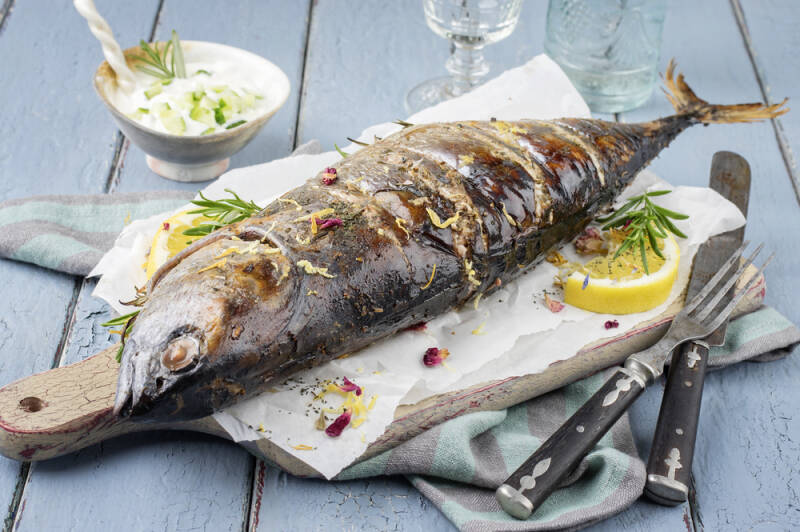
{"points": [[31, 404]]}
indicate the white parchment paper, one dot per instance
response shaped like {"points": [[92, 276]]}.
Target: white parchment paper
{"points": [[518, 334]]}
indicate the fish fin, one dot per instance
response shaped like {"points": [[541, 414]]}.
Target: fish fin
{"points": [[686, 102]]}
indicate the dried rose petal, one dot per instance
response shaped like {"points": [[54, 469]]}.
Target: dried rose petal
{"points": [[165, 225], [434, 356], [421, 326], [553, 305], [350, 386], [627, 223], [611, 324], [339, 424], [590, 241], [329, 176], [326, 223]]}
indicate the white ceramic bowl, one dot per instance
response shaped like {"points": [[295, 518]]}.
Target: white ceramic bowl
{"points": [[198, 158]]}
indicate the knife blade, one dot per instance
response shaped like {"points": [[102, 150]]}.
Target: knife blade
{"points": [[669, 466]]}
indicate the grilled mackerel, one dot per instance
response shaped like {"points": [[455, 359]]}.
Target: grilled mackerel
{"points": [[478, 201]]}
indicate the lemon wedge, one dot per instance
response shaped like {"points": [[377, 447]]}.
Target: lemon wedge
{"points": [[169, 240], [621, 286]]}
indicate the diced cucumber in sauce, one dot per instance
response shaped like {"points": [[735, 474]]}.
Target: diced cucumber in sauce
{"points": [[219, 118], [154, 90], [172, 121], [202, 115], [211, 106]]}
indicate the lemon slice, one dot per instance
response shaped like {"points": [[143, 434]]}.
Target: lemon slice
{"points": [[169, 240], [621, 286]]}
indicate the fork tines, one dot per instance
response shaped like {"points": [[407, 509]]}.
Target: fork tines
{"points": [[712, 293]]}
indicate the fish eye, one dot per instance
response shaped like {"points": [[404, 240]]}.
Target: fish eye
{"points": [[180, 352]]}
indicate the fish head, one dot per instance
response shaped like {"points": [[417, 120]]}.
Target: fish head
{"points": [[210, 315]]}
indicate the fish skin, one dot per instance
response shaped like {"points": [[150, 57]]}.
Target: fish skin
{"points": [[249, 318]]}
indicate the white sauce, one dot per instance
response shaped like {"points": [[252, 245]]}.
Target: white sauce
{"points": [[178, 99]]}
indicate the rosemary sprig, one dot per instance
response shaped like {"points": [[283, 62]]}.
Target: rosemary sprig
{"points": [[644, 220], [161, 63], [126, 320], [342, 153], [222, 212]]}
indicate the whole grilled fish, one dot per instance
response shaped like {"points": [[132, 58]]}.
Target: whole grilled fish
{"points": [[414, 225]]}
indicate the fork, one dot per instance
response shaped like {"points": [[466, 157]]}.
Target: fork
{"points": [[528, 487]]}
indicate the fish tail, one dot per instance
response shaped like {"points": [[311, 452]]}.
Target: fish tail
{"points": [[686, 103]]}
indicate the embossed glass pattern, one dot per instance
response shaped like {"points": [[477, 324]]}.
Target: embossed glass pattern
{"points": [[608, 48]]}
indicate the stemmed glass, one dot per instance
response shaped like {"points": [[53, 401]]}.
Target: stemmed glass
{"points": [[469, 25]]}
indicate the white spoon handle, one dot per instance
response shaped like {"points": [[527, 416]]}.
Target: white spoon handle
{"points": [[111, 50]]}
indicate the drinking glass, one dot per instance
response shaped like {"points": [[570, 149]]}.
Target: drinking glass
{"points": [[469, 25], [609, 49]]}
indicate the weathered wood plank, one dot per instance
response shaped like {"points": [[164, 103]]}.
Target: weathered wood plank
{"points": [[372, 504], [747, 446], [273, 29], [52, 142], [770, 33], [209, 478]]}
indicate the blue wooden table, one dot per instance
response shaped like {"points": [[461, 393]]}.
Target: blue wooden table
{"points": [[349, 64]]}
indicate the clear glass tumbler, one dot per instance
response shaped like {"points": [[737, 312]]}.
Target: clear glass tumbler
{"points": [[609, 49], [469, 25]]}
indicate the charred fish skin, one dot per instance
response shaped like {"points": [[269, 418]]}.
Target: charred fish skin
{"points": [[431, 216]]}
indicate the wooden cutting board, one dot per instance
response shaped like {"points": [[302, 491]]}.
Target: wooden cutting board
{"points": [[65, 409]]}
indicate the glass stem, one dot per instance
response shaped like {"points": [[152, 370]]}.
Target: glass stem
{"points": [[467, 65]]}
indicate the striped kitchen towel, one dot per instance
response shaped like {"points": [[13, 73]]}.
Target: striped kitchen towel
{"points": [[71, 233]]}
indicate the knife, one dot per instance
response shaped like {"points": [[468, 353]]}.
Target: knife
{"points": [[670, 464]]}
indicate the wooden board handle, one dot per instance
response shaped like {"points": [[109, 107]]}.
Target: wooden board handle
{"points": [[68, 408]]}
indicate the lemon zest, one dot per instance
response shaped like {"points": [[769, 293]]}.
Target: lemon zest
{"points": [[511, 220], [127, 219], [318, 214], [478, 300], [479, 330], [435, 220], [302, 241], [314, 228], [433, 272], [302, 447], [471, 273], [465, 160], [218, 264], [505, 127], [310, 269], [401, 224], [293, 202], [371, 404], [555, 258], [311, 293], [260, 427]]}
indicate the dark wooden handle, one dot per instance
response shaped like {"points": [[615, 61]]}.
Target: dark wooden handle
{"points": [[544, 471], [670, 462]]}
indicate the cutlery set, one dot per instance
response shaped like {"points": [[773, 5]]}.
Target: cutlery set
{"points": [[701, 323]]}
